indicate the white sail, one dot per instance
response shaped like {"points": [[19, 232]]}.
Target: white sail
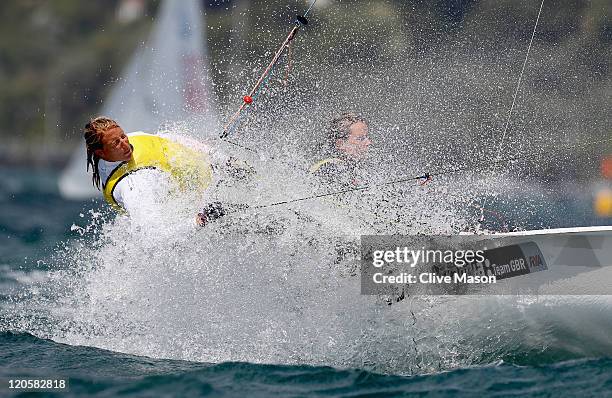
{"points": [[166, 80]]}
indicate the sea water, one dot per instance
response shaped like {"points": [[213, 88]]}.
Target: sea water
{"points": [[255, 306]]}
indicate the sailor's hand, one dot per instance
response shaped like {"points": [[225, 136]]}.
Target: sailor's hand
{"points": [[211, 212], [200, 220]]}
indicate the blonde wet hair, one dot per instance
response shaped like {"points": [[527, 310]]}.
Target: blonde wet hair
{"points": [[93, 132], [340, 126]]}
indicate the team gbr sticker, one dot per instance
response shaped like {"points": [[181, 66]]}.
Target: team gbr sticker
{"points": [[515, 260]]}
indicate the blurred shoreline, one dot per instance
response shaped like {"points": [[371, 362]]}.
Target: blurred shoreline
{"points": [[424, 73]]}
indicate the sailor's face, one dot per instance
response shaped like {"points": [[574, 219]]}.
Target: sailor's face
{"points": [[115, 146], [356, 144]]}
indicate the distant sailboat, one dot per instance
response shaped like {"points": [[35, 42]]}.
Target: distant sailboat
{"points": [[166, 80]]}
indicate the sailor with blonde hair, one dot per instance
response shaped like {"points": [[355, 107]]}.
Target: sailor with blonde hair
{"points": [[347, 143], [126, 165]]}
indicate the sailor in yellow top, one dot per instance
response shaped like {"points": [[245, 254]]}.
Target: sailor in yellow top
{"points": [[133, 167], [347, 144]]}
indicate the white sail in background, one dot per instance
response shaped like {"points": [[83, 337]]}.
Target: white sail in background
{"points": [[166, 80]]}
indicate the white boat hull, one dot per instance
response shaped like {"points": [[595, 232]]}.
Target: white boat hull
{"points": [[573, 260]]}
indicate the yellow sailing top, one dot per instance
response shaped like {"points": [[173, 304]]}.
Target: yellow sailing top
{"points": [[189, 168], [317, 166]]}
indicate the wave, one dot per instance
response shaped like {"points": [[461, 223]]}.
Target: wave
{"points": [[94, 372]]}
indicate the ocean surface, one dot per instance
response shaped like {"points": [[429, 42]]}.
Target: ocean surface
{"points": [[191, 348]]}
